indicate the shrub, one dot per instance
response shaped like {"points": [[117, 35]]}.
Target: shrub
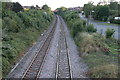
{"points": [[20, 30], [91, 28], [77, 27], [109, 33], [5, 66], [87, 43], [74, 22], [10, 25]]}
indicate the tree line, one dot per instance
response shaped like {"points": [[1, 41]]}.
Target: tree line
{"points": [[103, 12]]}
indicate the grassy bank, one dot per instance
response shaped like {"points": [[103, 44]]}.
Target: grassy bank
{"points": [[98, 52], [20, 31]]}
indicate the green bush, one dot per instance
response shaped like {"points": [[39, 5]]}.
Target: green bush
{"points": [[5, 66], [12, 22], [10, 25], [109, 33], [74, 22], [77, 27], [91, 28], [21, 30]]}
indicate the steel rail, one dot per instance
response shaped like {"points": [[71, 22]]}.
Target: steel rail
{"points": [[39, 58], [62, 34]]}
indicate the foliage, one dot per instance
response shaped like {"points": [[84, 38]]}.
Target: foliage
{"points": [[46, 8], [61, 10], [89, 43], [101, 13], [113, 13], [17, 7], [101, 66], [10, 25], [104, 71], [7, 5], [74, 22], [88, 8], [113, 5], [109, 33], [20, 30], [11, 22], [91, 28]]}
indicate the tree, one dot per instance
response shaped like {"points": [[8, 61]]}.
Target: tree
{"points": [[61, 10], [37, 6], [113, 5], [32, 7], [87, 8], [46, 8], [17, 7], [101, 12], [7, 5], [119, 10]]}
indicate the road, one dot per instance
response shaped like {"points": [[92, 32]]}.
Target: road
{"points": [[101, 27], [54, 55]]}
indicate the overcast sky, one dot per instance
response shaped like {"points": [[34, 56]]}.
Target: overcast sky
{"points": [[55, 3]]}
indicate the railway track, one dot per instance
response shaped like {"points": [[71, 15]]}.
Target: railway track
{"points": [[35, 64], [63, 63], [34, 68]]}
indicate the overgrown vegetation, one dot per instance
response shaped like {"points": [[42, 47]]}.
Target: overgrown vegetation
{"points": [[20, 30], [106, 12], [109, 33], [99, 52]]}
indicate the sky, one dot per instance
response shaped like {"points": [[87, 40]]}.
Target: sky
{"points": [[55, 3]]}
